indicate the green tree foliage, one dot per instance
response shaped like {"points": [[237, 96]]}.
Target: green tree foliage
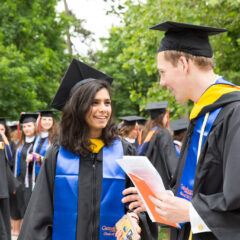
{"points": [[130, 51], [33, 53]]}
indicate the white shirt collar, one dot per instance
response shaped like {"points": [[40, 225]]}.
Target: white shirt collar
{"points": [[29, 139], [131, 140], [177, 142], [44, 134]]}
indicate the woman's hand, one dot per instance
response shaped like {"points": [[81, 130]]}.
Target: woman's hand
{"points": [[134, 198], [34, 157], [170, 208], [37, 157], [29, 157], [135, 220]]}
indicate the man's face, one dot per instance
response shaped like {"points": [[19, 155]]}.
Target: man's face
{"points": [[173, 78]]}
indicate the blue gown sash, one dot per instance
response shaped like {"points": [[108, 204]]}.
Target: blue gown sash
{"points": [[42, 152], [187, 181], [66, 193], [177, 150], [18, 161], [143, 148]]}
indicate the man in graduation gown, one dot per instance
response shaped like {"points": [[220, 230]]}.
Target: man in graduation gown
{"points": [[206, 184], [8, 184]]}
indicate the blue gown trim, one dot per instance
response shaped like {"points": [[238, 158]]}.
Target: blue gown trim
{"points": [[19, 152], [66, 193], [42, 152]]}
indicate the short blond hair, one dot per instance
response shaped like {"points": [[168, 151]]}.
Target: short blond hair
{"points": [[203, 63]]}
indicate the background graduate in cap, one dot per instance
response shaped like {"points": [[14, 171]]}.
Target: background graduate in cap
{"points": [[155, 142], [48, 133], [10, 146], [206, 185], [23, 169], [129, 130], [14, 136], [179, 128], [78, 192]]}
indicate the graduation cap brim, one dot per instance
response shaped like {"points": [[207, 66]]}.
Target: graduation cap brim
{"points": [[179, 125], [157, 105], [28, 117], [47, 113], [156, 108], [177, 27], [13, 125], [142, 122], [131, 120], [3, 120], [188, 38], [77, 73]]}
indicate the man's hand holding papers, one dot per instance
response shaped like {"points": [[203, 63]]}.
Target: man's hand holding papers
{"points": [[148, 183], [170, 208]]}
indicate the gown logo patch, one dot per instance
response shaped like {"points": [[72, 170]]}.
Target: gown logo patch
{"points": [[1, 145]]}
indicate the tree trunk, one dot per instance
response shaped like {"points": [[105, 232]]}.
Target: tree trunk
{"points": [[69, 43]]}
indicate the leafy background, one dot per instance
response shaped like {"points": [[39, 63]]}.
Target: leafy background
{"points": [[36, 48]]}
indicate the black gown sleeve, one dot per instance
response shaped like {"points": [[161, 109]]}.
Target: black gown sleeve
{"points": [[220, 209], [13, 183], [38, 219], [149, 230], [162, 154]]}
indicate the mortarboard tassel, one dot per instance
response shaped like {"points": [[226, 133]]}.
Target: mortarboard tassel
{"points": [[168, 118], [18, 129], [39, 125]]}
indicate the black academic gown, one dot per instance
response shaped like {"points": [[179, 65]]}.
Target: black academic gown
{"points": [[7, 185], [19, 201], [216, 192], [162, 154], [38, 220]]}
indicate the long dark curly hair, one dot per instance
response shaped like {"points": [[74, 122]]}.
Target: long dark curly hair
{"points": [[74, 131]]}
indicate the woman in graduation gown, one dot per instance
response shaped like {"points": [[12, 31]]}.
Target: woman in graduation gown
{"points": [[23, 169], [129, 130], [10, 146], [179, 128], [8, 184], [155, 142], [48, 133], [79, 188]]}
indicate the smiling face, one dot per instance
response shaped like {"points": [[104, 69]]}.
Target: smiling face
{"points": [[28, 129], [2, 129], [173, 78], [99, 113], [46, 123]]}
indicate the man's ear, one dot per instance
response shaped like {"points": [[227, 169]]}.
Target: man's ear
{"points": [[183, 64]]}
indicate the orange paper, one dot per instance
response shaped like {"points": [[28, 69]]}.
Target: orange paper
{"points": [[145, 192]]}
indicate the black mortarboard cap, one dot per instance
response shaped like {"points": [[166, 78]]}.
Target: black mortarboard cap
{"points": [[78, 73], [131, 120], [188, 38], [28, 117], [46, 113], [3, 120], [179, 125], [142, 121], [13, 125], [156, 108]]}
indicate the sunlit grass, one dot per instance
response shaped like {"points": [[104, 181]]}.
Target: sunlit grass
{"points": [[163, 235]]}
